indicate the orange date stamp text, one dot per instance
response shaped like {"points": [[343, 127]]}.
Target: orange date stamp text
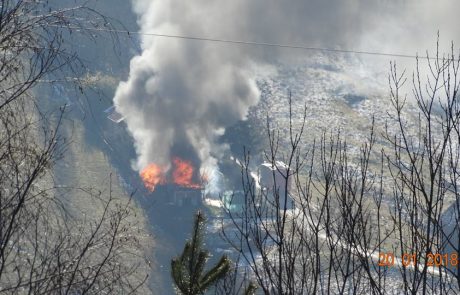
{"points": [[411, 259]]}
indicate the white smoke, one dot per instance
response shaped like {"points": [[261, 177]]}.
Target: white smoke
{"points": [[182, 94]]}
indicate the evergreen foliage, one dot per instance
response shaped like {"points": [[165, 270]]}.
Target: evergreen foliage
{"points": [[251, 289], [187, 270]]}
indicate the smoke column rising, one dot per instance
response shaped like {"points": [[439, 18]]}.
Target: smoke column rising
{"points": [[182, 94]]}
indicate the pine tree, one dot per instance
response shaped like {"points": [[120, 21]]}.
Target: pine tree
{"points": [[187, 270], [251, 289]]}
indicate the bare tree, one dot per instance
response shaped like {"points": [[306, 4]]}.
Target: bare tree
{"points": [[379, 221], [312, 229], [424, 168], [43, 248]]}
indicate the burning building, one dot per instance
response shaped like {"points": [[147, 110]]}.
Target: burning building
{"points": [[176, 197], [176, 193], [182, 173]]}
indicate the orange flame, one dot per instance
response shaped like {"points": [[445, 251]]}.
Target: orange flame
{"points": [[183, 173], [152, 175]]}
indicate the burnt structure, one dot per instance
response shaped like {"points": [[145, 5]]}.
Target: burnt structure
{"points": [[172, 209]]}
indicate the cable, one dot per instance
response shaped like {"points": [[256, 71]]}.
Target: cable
{"points": [[242, 42]]}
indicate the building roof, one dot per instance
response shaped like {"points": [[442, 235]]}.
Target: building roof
{"points": [[113, 115]]}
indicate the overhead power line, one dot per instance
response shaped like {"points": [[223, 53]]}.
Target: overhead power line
{"points": [[254, 43]]}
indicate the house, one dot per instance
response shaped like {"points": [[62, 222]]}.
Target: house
{"points": [[272, 180]]}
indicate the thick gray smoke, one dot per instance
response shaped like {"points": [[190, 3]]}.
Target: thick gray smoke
{"points": [[182, 94]]}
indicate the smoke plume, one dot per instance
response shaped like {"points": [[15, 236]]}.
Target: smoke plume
{"points": [[182, 94]]}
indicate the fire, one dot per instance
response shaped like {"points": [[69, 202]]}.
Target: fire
{"points": [[183, 173], [153, 175]]}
